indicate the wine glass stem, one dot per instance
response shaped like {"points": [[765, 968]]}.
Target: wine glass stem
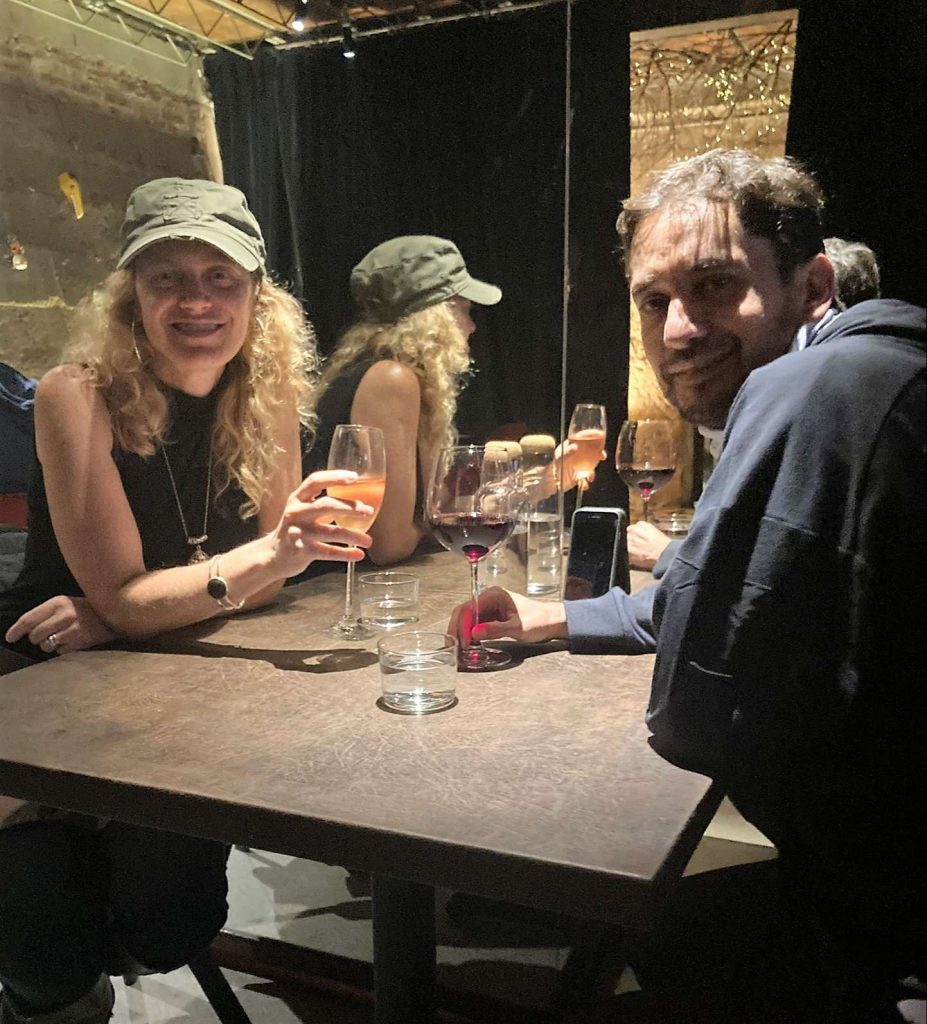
{"points": [[646, 501], [348, 616], [474, 605], [580, 491]]}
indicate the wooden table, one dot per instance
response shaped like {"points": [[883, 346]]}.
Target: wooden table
{"points": [[538, 787]]}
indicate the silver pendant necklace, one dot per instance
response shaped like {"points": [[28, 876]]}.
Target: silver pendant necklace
{"points": [[198, 555]]}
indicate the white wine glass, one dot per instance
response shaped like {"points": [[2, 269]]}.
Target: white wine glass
{"points": [[587, 432], [359, 449], [471, 506], [646, 457]]}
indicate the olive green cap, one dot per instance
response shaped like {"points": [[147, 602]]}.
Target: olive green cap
{"points": [[409, 273], [190, 208]]}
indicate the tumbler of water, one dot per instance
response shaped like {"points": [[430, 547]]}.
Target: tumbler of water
{"points": [[418, 671], [388, 599]]}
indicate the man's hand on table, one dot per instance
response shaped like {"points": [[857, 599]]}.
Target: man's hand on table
{"points": [[645, 545], [505, 614]]}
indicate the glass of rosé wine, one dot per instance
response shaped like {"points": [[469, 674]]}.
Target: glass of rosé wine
{"points": [[587, 432], [359, 449]]}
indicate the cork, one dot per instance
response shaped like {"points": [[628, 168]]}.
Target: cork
{"points": [[537, 444]]}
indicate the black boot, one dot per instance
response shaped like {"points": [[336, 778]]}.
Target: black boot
{"points": [[93, 1007]]}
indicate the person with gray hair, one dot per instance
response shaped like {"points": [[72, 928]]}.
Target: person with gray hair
{"points": [[856, 271]]}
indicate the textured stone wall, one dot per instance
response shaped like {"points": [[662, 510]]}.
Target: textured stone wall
{"points": [[74, 101]]}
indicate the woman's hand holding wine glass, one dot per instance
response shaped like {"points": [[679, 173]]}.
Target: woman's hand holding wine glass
{"points": [[586, 438], [471, 506], [646, 457], [361, 450]]}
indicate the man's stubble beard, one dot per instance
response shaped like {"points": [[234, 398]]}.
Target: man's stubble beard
{"points": [[711, 414]]}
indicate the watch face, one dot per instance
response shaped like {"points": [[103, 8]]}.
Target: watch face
{"points": [[217, 588]]}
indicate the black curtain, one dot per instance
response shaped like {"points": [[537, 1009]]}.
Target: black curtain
{"points": [[857, 121], [456, 130]]}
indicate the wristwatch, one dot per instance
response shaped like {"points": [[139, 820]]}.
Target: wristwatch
{"points": [[218, 588]]}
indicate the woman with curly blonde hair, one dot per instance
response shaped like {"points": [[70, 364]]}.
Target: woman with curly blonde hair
{"points": [[166, 491], [399, 368]]}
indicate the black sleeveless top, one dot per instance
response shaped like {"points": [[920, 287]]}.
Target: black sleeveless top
{"points": [[147, 485], [334, 407]]}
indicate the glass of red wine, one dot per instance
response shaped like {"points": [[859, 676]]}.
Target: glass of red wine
{"points": [[646, 456], [471, 507]]}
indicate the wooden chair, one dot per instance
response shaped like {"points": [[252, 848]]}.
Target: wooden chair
{"points": [[218, 992]]}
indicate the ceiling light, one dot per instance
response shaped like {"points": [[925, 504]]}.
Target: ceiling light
{"points": [[347, 42]]}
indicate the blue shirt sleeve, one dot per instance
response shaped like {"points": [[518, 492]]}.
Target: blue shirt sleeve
{"points": [[663, 562], [615, 623]]}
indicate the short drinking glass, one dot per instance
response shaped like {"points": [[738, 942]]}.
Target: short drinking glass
{"points": [[418, 671], [388, 600]]}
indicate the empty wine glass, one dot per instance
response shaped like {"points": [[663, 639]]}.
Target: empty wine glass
{"points": [[359, 449], [471, 507], [646, 456], [586, 431], [497, 560]]}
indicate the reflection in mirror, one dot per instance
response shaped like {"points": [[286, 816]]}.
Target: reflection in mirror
{"points": [[477, 153]]}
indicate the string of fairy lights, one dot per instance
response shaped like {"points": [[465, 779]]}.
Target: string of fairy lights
{"points": [[715, 88]]}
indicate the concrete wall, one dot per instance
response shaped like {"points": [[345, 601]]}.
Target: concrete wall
{"points": [[79, 99]]}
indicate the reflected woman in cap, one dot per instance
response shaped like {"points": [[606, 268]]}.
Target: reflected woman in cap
{"points": [[166, 491], [399, 368]]}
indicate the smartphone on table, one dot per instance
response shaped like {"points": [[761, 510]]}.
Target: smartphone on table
{"points": [[598, 558]]}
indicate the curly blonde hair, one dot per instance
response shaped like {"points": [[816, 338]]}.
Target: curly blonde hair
{"points": [[276, 365], [432, 344]]}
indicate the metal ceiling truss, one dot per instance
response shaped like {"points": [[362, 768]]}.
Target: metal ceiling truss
{"points": [[139, 33], [324, 21], [190, 28], [234, 25]]}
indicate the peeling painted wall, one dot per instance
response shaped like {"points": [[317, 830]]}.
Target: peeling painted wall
{"points": [[74, 101]]}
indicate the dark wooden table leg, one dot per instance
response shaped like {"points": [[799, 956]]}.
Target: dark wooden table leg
{"points": [[403, 951], [590, 974]]}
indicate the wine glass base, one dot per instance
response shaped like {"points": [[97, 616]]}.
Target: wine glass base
{"points": [[352, 630], [482, 659]]}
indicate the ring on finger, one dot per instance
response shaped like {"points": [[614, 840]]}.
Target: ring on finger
{"points": [[51, 642]]}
